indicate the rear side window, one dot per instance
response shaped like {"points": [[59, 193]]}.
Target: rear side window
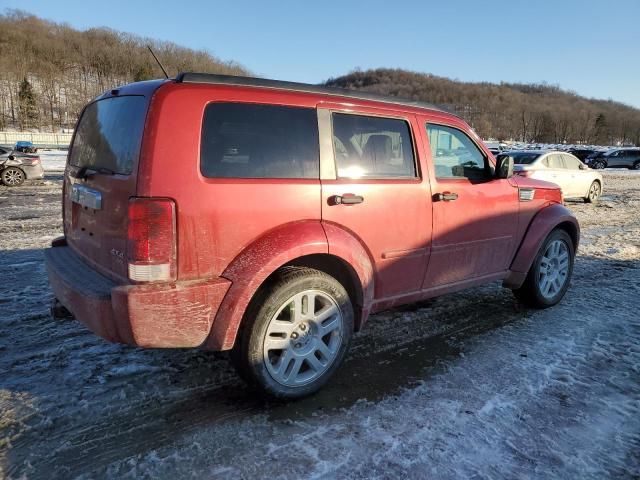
{"points": [[554, 161], [109, 134], [259, 141], [372, 147], [523, 158]]}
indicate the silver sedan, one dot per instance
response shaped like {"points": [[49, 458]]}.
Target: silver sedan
{"points": [[565, 170]]}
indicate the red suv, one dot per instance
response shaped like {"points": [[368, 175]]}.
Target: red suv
{"points": [[271, 218]]}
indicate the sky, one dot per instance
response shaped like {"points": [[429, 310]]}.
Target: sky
{"points": [[591, 47]]}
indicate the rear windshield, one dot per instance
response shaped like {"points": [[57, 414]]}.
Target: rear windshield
{"points": [[259, 141], [109, 133], [523, 158]]}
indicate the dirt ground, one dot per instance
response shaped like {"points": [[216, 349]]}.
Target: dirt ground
{"points": [[467, 385]]}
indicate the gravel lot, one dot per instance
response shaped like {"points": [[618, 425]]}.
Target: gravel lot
{"points": [[467, 385]]}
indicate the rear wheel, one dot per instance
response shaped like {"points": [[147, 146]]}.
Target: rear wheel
{"points": [[12, 177], [295, 334], [636, 166], [594, 193], [549, 276]]}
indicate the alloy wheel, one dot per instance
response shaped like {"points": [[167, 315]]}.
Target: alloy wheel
{"points": [[594, 191], [554, 269], [12, 177], [303, 338]]}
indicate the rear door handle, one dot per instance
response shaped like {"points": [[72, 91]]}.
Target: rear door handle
{"points": [[346, 199], [445, 197]]}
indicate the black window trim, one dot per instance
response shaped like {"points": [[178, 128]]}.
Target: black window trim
{"points": [[489, 166], [235, 180], [417, 176]]}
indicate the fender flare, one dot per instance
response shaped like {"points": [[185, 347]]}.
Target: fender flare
{"points": [[347, 246], [248, 271], [547, 219]]}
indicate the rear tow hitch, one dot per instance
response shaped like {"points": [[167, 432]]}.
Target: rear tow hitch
{"points": [[59, 311]]}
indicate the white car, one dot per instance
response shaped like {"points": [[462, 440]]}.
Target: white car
{"points": [[574, 178]]}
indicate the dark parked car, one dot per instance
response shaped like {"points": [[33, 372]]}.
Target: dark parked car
{"points": [[16, 167], [25, 147], [617, 158], [582, 153]]}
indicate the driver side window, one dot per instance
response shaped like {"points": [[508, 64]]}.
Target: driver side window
{"points": [[454, 154]]}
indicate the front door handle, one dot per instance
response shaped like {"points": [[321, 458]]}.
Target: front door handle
{"points": [[445, 197], [346, 199]]}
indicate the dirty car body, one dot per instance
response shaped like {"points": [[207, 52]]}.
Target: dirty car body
{"points": [[286, 203]]}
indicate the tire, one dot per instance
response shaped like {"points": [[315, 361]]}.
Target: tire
{"points": [[636, 166], [594, 192], [532, 292], [599, 165], [12, 177], [284, 351]]}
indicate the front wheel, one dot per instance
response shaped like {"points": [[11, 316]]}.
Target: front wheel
{"points": [[594, 193], [636, 166], [598, 165], [12, 177], [549, 276], [295, 333]]}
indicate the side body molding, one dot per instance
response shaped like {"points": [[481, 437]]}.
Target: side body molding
{"points": [[542, 224]]}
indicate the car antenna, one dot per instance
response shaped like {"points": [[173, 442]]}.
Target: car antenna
{"points": [[156, 59]]}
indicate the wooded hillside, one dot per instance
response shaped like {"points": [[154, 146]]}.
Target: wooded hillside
{"points": [[48, 71], [531, 113]]}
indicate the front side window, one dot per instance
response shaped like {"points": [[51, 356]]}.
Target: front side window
{"points": [[571, 163], [259, 141], [372, 147], [454, 154]]}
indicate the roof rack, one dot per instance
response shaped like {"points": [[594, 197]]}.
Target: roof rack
{"points": [[211, 78]]}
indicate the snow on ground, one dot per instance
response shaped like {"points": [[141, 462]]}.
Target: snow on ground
{"points": [[470, 385]]}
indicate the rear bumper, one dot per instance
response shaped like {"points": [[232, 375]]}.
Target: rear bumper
{"points": [[159, 315], [33, 172]]}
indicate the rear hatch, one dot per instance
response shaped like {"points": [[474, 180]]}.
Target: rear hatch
{"points": [[100, 177]]}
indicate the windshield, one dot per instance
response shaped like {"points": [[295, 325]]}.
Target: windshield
{"points": [[109, 134], [523, 158]]}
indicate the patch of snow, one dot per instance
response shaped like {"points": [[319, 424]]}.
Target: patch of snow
{"points": [[471, 385]]}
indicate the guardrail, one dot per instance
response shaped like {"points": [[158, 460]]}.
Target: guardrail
{"points": [[59, 140]]}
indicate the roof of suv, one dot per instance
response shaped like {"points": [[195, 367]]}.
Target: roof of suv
{"points": [[209, 78]]}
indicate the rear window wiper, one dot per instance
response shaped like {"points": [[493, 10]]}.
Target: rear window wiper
{"points": [[82, 173], [86, 172], [103, 171]]}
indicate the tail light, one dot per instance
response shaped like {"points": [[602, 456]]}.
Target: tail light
{"points": [[151, 235], [30, 160]]}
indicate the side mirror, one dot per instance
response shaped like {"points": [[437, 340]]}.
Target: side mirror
{"points": [[11, 157], [504, 166], [582, 167]]}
